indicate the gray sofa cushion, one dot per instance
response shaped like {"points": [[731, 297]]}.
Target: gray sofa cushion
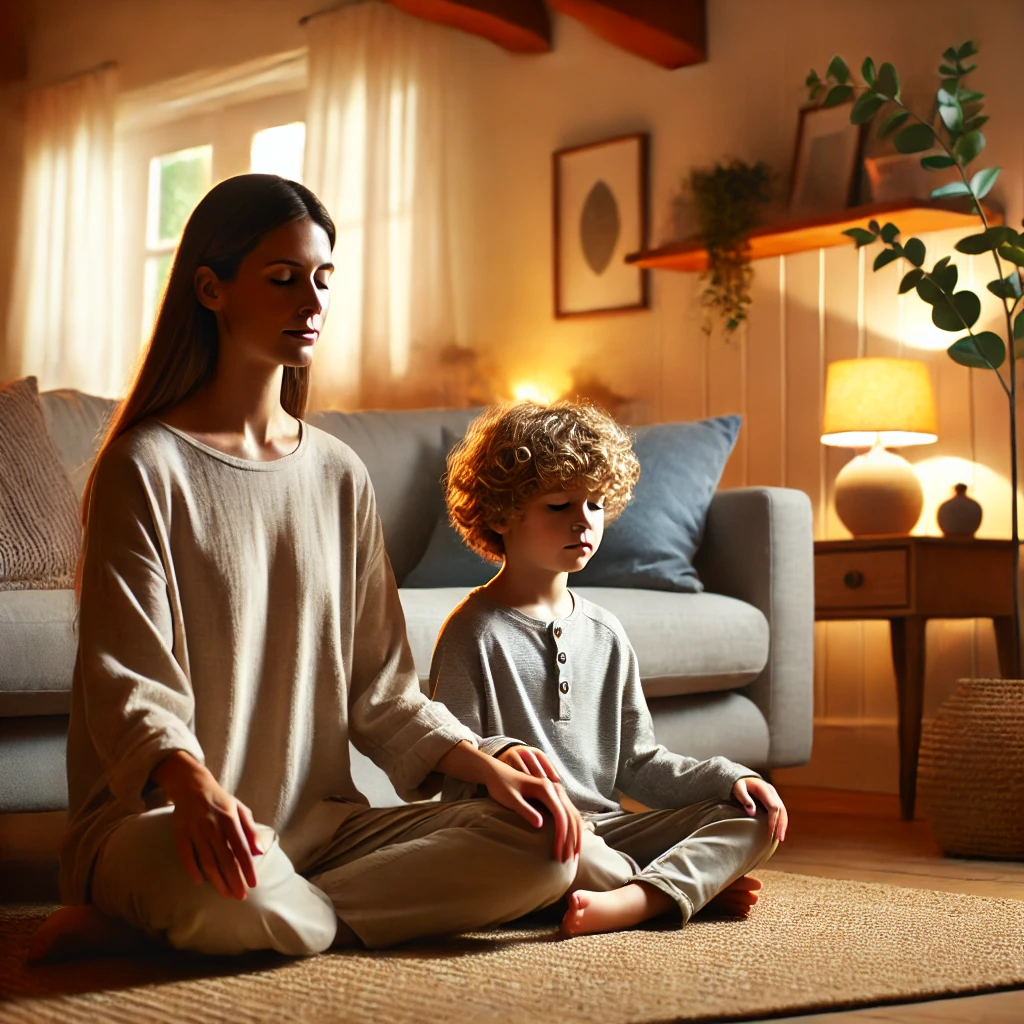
{"points": [[688, 643], [448, 562], [38, 644], [76, 423], [33, 775], [404, 453], [703, 725], [685, 643]]}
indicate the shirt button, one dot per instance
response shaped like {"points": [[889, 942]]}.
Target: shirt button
{"points": [[561, 657], [563, 686], [558, 631]]}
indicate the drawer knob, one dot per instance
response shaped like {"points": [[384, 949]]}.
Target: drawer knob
{"points": [[853, 579]]}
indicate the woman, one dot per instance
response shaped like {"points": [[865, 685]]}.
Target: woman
{"points": [[239, 623]]}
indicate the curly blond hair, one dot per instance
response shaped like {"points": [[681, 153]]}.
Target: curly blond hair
{"points": [[514, 451]]}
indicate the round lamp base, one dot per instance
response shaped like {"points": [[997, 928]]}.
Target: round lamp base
{"points": [[878, 492]]}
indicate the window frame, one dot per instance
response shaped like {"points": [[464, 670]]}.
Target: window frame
{"points": [[229, 130]]}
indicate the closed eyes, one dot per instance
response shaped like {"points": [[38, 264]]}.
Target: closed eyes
{"points": [[284, 282]]}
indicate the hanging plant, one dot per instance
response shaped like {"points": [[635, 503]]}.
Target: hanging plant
{"points": [[728, 200]]}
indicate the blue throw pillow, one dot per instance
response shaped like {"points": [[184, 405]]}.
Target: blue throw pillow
{"points": [[447, 562], [652, 544]]}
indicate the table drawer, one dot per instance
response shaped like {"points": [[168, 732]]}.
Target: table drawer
{"points": [[861, 579]]}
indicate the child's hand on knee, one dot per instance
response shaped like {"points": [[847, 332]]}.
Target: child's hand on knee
{"points": [[747, 790]]}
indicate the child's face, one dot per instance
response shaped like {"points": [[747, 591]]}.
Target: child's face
{"points": [[558, 531]]}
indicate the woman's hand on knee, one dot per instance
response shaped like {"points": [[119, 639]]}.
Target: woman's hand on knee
{"points": [[520, 792], [535, 763], [215, 834]]}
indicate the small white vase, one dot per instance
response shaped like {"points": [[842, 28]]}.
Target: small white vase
{"points": [[959, 516]]}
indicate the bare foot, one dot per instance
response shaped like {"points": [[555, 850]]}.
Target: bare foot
{"points": [[737, 898], [84, 933], [613, 911]]}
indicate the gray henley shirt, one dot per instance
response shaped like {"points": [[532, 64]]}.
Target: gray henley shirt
{"points": [[571, 688]]}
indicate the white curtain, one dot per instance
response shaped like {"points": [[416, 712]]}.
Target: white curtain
{"points": [[377, 137], [61, 317]]}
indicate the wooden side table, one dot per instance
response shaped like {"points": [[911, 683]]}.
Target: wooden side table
{"points": [[909, 580]]}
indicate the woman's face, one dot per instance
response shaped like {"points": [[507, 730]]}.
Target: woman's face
{"points": [[274, 308]]}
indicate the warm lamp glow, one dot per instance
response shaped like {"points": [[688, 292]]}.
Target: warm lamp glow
{"points": [[883, 401], [528, 392]]}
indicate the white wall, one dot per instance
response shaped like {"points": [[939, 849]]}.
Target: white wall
{"points": [[807, 310]]}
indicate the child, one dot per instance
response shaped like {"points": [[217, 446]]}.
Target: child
{"points": [[551, 680]]}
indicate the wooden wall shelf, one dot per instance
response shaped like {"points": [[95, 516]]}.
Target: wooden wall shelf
{"points": [[912, 216]]}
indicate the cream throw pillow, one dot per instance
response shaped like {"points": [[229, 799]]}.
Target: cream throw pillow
{"points": [[39, 526]]}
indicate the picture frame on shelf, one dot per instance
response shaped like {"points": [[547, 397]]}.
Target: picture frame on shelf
{"points": [[892, 177], [600, 213], [826, 161]]}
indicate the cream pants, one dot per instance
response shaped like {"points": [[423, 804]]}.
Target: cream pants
{"points": [[390, 873], [691, 854]]}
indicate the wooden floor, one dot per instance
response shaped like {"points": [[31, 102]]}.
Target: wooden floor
{"points": [[832, 834]]}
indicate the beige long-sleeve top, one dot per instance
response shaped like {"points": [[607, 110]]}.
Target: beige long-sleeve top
{"points": [[246, 613]]}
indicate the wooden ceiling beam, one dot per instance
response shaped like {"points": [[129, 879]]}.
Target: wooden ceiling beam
{"points": [[670, 33], [13, 41], [521, 26]]}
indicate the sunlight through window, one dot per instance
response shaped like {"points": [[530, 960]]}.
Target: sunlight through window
{"points": [[279, 150], [177, 181]]}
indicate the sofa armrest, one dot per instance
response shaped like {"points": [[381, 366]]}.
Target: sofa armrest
{"points": [[758, 546]]}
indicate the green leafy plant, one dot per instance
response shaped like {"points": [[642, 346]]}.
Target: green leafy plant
{"points": [[955, 129], [728, 200]]}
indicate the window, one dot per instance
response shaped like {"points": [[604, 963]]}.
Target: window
{"points": [[166, 170], [279, 150], [177, 181]]}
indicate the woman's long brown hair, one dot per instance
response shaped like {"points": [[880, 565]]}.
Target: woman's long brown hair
{"points": [[181, 357]]}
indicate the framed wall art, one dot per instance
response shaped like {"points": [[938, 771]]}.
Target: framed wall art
{"points": [[600, 216], [826, 165]]}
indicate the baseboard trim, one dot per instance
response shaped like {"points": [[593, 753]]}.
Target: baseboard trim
{"points": [[809, 800], [849, 754]]}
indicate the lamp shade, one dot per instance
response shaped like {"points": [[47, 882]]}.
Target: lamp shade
{"points": [[878, 401]]}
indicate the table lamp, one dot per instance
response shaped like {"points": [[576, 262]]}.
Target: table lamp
{"points": [[878, 404]]}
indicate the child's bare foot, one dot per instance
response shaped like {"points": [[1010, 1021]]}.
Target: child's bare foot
{"points": [[737, 898], [591, 912], [85, 933]]}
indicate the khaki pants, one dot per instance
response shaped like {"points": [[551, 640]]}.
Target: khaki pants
{"points": [[691, 854], [390, 873]]}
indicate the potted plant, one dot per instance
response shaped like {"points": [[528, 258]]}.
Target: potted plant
{"points": [[971, 768], [728, 200]]}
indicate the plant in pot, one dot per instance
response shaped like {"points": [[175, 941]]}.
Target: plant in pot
{"points": [[971, 768], [728, 201]]}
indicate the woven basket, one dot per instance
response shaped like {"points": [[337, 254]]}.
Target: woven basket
{"points": [[971, 770]]}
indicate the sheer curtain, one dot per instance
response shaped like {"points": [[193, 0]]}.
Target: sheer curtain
{"points": [[376, 154], [61, 315]]}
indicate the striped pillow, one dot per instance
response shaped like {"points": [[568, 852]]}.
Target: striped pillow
{"points": [[39, 525]]}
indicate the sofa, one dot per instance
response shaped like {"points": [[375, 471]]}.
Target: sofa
{"points": [[728, 670]]}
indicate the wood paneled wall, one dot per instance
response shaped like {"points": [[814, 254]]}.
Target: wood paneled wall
{"points": [[810, 309]]}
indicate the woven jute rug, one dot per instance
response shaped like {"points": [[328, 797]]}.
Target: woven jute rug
{"points": [[810, 944]]}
